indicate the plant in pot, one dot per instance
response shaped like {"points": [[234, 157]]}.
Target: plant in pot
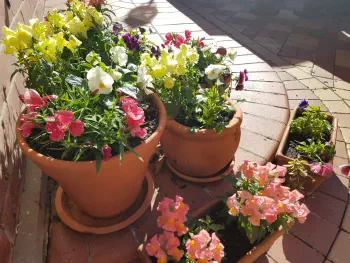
{"points": [[193, 80], [247, 225], [88, 122], [310, 136]]}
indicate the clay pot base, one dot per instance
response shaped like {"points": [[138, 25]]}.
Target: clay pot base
{"points": [[74, 218], [209, 179]]}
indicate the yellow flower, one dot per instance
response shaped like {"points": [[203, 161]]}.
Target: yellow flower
{"points": [[184, 48], [40, 30], [73, 43], [68, 16], [148, 61], [181, 58], [78, 7], [10, 41], [169, 82], [158, 71], [24, 35], [48, 48], [171, 65], [61, 42], [97, 16], [76, 26], [56, 19], [180, 70], [192, 56]]}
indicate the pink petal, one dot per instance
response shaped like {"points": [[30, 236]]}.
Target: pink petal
{"points": [[345, 169], [57, 135], [26, 128], [76, 128], [49, 97], [64, 117]]}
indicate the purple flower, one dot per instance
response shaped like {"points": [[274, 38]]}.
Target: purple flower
{"points": [[116, 28], [155, 51], [303, 104], [131, 41]]}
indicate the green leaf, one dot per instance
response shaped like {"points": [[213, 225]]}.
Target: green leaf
{"points": [[216, 227], [230, 179], [131, 90], [74, 80], [98, 161], [172, 109], [121, 152]]}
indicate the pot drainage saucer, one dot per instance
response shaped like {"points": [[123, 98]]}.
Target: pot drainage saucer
{"points": [[208, 179], [74, 218]]}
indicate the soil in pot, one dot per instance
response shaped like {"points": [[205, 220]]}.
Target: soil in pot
{"points": [[55, 150]]}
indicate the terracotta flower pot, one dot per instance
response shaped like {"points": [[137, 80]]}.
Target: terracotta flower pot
{"points": [[249, 257], [117, 185], [203, 153], [282, 159]]}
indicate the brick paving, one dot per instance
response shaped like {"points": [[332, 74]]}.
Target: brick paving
{"points": [[289, 58]]}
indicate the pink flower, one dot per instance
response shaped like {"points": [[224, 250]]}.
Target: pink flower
{"points": [[27, 126], [96, 2], [295, 196], [247, 168], [345, 169], [179, 40], [180, 207], [324, 170], [233, 205], [300, 212], [245, 195], [196, 246], [153, 246], [106, 151], [135, 115], [217, 248], [188, 34], [137, 131], [243, 77], [63, 121], [169, 240], [176, 253], [270, 215], [33, 100]]}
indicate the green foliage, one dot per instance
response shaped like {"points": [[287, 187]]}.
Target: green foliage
{"points": [[313, 123], [297, 176], [316, 151]]}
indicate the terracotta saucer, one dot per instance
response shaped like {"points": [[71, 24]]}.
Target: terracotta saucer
{"points": [[209, 179], [74, 218]]}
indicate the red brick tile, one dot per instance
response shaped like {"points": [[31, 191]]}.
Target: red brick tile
{"points": [[8, 217], [301, 94], [66, 245], [273, 87], [265, 111], [277, 100], [5, 248], [327, 207], [336, 186], [290, 52], [265, 259], [264, 76], [255, 67], [290, 249], [115, 247], [314, 231], [342, 72], [337, 161], [340, 250], [346, 220]]}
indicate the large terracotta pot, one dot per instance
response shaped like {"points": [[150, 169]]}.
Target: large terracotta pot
{"points": [[282, 159], [117, 185], [203, 153], [249, 257]]}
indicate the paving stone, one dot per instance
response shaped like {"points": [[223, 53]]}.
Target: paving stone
{"points": [[255, 67], [243, 51], [326, 81], [258, 125], [66, 245], [246, 59], [280, 27], [301, 94], [346, 134], [264, 76], [340, 135], [320, 72], [112, 247], [243, 15], [326, 94], [290, 249], [265, 111], [337, 106], [343, 119], [327, 207], [273, 87], [261, 98], [258, 144], [302, 41], [298, 73], [340, 251], [341, 148], [299, 62], [336, 186], [344, 94], [312, 83], [347, 102], [338, 84], [313, 232], [346, 221], [294, 103], [294, 85], [311, 23], [229, 43], [337, 161], [342, 58], [306, 70], [285, 76], [232, 7], [265, 259]]}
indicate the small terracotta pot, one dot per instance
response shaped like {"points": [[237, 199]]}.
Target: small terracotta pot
{"points": [[203, 153], [117, 185], [249, 257], [282, 159]]}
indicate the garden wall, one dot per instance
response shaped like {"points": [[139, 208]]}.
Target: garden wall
{"points": [[12, 162]]}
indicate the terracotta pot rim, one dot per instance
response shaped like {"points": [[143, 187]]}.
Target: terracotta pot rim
{"points": [[32, 154], [183, 130]]}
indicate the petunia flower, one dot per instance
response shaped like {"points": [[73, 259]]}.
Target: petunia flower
{"points": [[324, 170], [33, 101], [304, 103], [99, 81], [106, 151], [137, 131], [28, 124], [345, 169], [119, 55]]}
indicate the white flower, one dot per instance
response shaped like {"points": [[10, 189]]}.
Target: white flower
{"points": [[116, 75], [143, 78], [119, 55], [100, 80], [213, 71], [232, 54]]}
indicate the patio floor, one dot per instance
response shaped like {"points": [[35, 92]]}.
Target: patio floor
{"points": [[288, 58]]}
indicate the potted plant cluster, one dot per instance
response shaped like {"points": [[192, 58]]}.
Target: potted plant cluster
{"points": [[203, 128], [239, 231], [309, 139], [88, 121]]}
